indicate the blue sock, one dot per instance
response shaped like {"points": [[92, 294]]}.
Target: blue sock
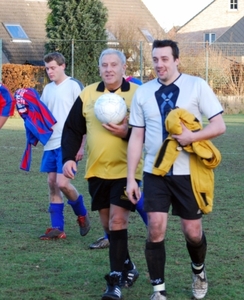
{"points": [[139, 208], [56, 215], [105, 235], [78, 206]]}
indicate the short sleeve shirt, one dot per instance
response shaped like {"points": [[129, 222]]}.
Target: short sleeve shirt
{"points": [[59, 99], [153, 101]]}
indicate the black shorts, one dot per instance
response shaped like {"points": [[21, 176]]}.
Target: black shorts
{"points": [[109, 191], [160, 192]]}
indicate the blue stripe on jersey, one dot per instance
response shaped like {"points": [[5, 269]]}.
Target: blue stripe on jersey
{"points": [[166, 98]]}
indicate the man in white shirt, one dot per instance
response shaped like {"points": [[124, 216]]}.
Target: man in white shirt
{"points": [[59, 96]]}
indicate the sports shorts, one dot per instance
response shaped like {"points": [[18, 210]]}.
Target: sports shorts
{"points": [[109, 191], [160, 192], [52, 161]]}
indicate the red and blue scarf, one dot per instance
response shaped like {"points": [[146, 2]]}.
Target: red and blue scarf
{"points": [[38, 121]]}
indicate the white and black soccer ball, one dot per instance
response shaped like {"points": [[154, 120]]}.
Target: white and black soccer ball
{"points": [[110, 108]]}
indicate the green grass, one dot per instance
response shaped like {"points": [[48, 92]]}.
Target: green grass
{"points": [[31, 269]]}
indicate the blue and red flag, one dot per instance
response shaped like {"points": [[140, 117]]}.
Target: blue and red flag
{"points": [[38, 121]]}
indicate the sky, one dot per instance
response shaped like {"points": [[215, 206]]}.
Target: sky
{"points": [[171, 13]]}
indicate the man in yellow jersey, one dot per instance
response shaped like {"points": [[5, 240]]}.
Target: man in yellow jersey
{"points": [[103, 241], [106, 166]]}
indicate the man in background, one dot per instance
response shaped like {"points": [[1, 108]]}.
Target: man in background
{"points": [[59, 96]]}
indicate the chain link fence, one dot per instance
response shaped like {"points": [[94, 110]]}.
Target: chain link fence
{"points": [[138, 55], [220, 64]]}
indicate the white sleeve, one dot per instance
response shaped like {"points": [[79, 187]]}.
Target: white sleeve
{"points": [[136, 114], [209, 104]]}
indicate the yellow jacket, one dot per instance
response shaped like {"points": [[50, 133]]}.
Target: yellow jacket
{"points": [[204, 157]]}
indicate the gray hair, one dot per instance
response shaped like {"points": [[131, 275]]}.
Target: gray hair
{"points": [[112, 51]]}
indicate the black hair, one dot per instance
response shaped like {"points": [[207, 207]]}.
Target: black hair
{"points": [[167, 43]]}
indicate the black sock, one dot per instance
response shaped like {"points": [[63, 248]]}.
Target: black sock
{"points": [[197, 252], [128, 265], [155, 257], [118, 249]]}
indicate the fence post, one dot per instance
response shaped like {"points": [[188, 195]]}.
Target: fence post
{"points": [[141, 61], [207, 54], [72, 58]]}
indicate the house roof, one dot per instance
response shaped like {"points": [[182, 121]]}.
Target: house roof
{"points": [[234, 34], [199, 13], [132, 12], [32, 14], [216, 18]]}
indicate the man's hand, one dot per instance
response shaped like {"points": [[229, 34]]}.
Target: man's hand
{"points": [[185, 138], [214, 128], [69, 169], [119, 130], [81, 151], [133, 191], [80, 154]]}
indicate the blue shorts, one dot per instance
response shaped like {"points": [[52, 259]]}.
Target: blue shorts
{"points": [[52, 161]]}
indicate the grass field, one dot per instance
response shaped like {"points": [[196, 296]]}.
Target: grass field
{"points": [[31, 269]]}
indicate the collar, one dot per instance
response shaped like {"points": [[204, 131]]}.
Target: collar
{"points": [[125, 87], [171, 82]]}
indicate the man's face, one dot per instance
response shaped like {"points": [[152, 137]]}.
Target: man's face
{"points": [[54, 71], [112, 71], [165, 66]]}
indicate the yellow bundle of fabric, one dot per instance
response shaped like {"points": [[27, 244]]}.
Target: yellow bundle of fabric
{"points": [[204, 157]]}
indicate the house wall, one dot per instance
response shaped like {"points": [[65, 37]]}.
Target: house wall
{"points": [[215, 18]]}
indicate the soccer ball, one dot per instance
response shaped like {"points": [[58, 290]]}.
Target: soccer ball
{"points": [[110, 108]]}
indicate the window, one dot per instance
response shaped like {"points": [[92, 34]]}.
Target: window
{"points": [[111, 38], [17, 33], [110, 35], [210, 38], [147, 35], [233, 4]]}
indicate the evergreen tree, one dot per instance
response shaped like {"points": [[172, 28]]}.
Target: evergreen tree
{"points": [[82, 21]]}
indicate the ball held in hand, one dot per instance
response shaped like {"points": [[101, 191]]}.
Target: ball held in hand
{"points": [[110, 108]]}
